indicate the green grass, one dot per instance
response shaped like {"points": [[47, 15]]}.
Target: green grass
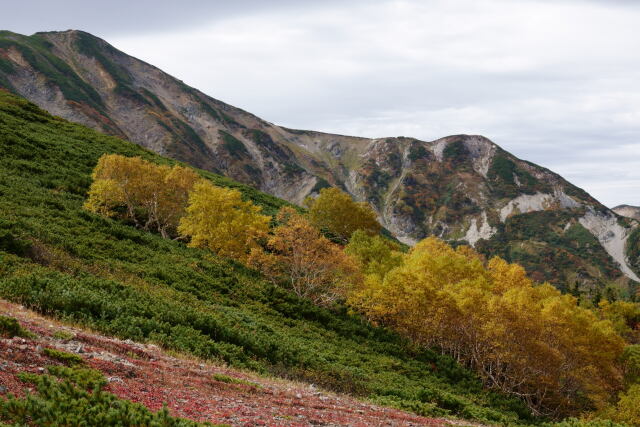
{"points": [[60, 260], [233, 145]]}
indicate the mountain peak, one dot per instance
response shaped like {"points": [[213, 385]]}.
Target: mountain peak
{"points": [[66, 33]]}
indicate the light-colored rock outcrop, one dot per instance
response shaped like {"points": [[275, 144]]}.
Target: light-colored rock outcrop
{"points": [[611, 235], [475, 233], [526, 203], [628, 211]]}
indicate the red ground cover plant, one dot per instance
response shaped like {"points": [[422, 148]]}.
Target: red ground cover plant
{"points": [[190, 388]]}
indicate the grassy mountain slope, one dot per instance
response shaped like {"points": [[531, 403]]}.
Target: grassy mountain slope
{"points": [[60, 260], [462, 188]]}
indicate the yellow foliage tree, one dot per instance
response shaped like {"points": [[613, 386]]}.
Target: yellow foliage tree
{"points": [[218, 219], [627, 409], [375, 254], [297, 254], [174, 196], [524, 339], [150, 195], [625, 316], [336, 212]]}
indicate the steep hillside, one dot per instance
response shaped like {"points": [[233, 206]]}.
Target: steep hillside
{"points": [[461, 188], [59, 259], [628, 211]]}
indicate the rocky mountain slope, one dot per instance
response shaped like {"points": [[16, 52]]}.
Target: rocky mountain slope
{"points": [[628, 211], [463, 188]]}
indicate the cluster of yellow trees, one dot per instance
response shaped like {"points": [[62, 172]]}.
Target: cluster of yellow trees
{"points": [[149, 195], [176, 202], [179, 203], [522, 338]]}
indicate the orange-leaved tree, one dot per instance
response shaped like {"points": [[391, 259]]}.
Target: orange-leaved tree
{"points": [[218, 219], [335, 212], [297, 254]]}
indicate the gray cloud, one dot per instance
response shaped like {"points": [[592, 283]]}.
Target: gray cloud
{"points": [[554, 82], [121, 17]]}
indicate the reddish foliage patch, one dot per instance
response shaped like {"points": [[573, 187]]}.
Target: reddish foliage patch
{"points": [[145, 374]]}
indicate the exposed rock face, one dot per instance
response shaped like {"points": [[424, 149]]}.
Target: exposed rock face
{"points": [[628, 211], [463, 188], [612, 236]]}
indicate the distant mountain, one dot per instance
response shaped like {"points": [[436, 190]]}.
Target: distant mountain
{"points": [[463, 188], [628, 211]]}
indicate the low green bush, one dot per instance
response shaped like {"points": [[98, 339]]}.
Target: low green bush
{"points": [[231, 380], [9, 328], [75, 397], [63, 356]]}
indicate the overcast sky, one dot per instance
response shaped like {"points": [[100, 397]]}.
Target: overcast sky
{"points": [[556, 82]]}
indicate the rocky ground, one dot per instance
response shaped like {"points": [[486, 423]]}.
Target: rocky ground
{"points": [[190, 388]]}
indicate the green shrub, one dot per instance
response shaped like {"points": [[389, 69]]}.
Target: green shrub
{"points": [[231, 380], [9, 328], [233, 145], [63, 356], [85, 378], [63, 335], [574, 422]]}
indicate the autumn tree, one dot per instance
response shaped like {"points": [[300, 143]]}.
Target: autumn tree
{"points": [[625, 316], [151, 196], [375, 254], [631, 364], [296, 253], [335, 212], [627, 408], [522, 338], [218, 219]]}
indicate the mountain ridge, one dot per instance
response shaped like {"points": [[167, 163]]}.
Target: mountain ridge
{"points": [[463, 188], [628, 211]]}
